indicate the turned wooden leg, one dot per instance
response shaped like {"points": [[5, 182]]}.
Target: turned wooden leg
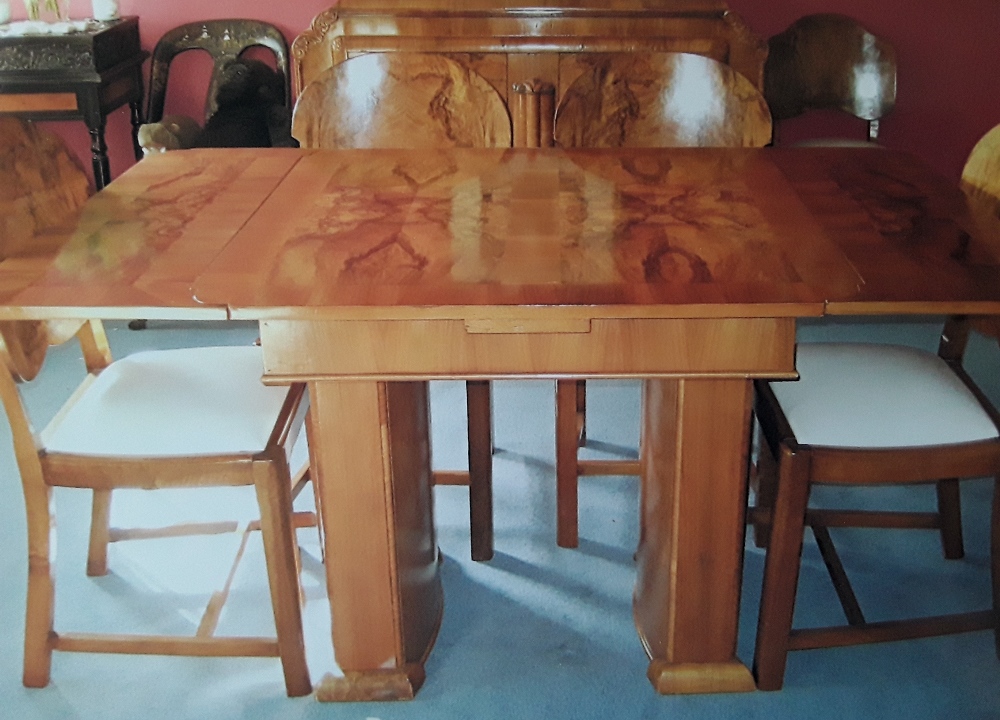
{"points": [[274, 496], [371, 454], [567, 444], [480, 412], [100, 533], [781, 570]]}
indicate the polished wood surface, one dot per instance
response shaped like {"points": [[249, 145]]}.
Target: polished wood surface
{"points": [[138, 246], [400, 100], [661, 100], [479, 235], [41, 198], [524, 44], [383, 267], [830, 61]]}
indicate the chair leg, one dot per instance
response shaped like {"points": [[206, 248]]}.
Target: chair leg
{"points": [[581, 411], [480, 411], [765, 489], [567, 443], [781, 570], [274, 497], [950, 511], [40, 604], [100, 527]]}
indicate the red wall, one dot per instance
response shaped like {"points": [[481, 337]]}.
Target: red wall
{"points": [[948, 53]]}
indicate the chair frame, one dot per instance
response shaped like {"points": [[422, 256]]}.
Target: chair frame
{"points": [[23, 345], [782, 509], [225, 40]]}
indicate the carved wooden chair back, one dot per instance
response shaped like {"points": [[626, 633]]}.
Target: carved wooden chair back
{"points": [[870, 415], [413, 100], [661, 99], [224, 41], [190, 417], [829, 61], [400, 100], [641, 100]]}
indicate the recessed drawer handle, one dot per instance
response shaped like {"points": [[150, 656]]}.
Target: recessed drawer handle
{"points": [[512, 326]]}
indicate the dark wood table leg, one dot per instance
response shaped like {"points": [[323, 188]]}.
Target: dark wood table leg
{"points": [[99, 155], [370, 452], [695, 448]]}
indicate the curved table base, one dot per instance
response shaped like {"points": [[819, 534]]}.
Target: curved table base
{"points": [[689, 678], [376, 685]]}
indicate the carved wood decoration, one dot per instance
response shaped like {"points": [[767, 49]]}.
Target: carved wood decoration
{"points": [[662, 99], [830, 61], [400, 100], [519, 42]]}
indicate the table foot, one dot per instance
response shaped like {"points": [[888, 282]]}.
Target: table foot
{"points": [[373, 685], [689, 678]]}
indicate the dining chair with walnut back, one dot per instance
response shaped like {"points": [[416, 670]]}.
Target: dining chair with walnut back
{"points": [[642, 100], [829, 61], [414, 100], [863, 416], [183, 418]]}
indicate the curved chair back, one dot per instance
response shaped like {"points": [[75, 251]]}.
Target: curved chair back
{"points": [[661, 100], [224, 40], [42, 192], [829, 61], [400, 100]]}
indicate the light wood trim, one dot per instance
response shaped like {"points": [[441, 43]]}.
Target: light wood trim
{"points": [[38, 102], [165, 645]]}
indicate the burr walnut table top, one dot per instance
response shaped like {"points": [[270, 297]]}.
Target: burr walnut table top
{"points": [[492, 233]]}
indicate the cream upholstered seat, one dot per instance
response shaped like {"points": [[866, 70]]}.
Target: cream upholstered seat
{"points": [[871, 396], [141, 406]]}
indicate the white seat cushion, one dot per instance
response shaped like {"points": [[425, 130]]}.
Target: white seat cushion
{"points": [[198, 401], [866, 395]]}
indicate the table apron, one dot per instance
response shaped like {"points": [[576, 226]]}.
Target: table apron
{"points": [[600, 347]]}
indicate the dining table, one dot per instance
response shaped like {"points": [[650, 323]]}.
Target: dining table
{"points": [[372, 272]]}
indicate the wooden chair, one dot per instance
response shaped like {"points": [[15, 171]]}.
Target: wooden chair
{"points": [[176, 418], [412, 100], [658, 99], [829, 61], [873, 415], [224, 41]]}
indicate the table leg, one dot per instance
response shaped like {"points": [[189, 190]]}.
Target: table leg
{"points": [[99, 155], [370, 452], [695, 448], [135, 106]]}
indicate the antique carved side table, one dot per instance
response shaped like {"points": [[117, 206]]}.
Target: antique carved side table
{"points": [[82, 74]]}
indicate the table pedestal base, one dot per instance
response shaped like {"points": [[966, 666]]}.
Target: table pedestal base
{"points": [[690, 678], [375, 685]]}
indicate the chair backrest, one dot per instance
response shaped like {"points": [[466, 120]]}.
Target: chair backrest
{"points": [[981, 183], [829, 61], [400, 100], [664, 100], [225, 41], [42, 192]]}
